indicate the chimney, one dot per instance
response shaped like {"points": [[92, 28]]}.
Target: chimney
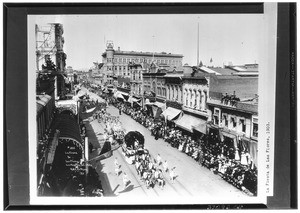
{"points": [[119, 49]]}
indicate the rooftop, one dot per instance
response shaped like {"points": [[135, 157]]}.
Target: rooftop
{"points": [[223, 71], [240, 106], [140, 53], [244, 87]]}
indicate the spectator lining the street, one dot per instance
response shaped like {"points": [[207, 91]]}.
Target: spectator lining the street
{"points": [[220, 158]]}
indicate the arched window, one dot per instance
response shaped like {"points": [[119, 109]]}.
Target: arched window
{"points": [[195, 99], [191, 98], [186, 97], [200, 99], [180, 95], [204, 100], [154, 86]]}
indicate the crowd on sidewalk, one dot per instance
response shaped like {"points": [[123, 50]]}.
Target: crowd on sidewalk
{"points": [[211, 155]]}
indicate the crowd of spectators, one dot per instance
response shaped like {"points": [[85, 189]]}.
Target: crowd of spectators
{"points": [[229, 99], [208, 151]]}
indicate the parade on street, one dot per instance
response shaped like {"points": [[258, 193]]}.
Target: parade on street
{"points": [[145, 124]]}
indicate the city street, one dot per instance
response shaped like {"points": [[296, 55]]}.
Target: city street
{"points": [[192, 180], [149, 118]]}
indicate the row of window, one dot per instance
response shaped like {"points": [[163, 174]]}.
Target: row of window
{"points": [[141, 60], [234, 123], [195, 100], [136, 76], [161, 91], [137, 89]]}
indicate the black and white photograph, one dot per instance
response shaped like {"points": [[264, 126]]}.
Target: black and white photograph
{"points": [[151, 108]]}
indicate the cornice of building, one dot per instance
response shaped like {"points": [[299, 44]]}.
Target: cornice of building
{"points": [[148, 54]]}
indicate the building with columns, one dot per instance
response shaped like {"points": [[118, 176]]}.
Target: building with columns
{"points": [[174, 87], [195, 93]]}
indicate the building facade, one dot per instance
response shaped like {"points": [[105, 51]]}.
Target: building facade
{"points": [[116, 61], [136, 79], [154, 86], [195, 92], [174, 87], [233, 117]]}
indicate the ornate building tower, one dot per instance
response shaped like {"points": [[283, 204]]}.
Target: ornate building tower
{"points": [[109, 61]]}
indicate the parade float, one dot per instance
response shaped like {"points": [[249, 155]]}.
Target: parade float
{"points": [[133, 145]]}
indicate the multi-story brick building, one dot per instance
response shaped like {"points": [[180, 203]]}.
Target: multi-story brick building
{"points": [[233, 114], [116, 61]]}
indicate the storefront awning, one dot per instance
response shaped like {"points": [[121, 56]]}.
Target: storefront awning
{"points": [[136, 100], [124, 94], [187, 122], [171, 113], [147, 102], [229, 135], [159, 104], [201, 127], [118, 95]]}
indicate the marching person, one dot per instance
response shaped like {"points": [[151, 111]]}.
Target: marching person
{"points": [[150, 165], [165, 165], [117, 166], [172, 175], [125, 180], [158, 158]]}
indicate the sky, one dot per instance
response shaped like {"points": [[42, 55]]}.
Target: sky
{"points": [[222, 37]]}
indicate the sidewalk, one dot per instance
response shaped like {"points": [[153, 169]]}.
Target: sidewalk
{"points": [[94, 131]]}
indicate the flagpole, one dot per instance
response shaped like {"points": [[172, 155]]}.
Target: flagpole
{"points": [[153, 49], [198, 46]]}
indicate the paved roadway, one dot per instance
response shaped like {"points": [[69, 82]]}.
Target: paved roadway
{"points": [[192, 181]]}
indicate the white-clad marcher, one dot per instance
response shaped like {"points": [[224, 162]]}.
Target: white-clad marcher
{"points": [[117, 167], [150, 165], [165, 165], [172, 175], [158, 158], [125, 180]]}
